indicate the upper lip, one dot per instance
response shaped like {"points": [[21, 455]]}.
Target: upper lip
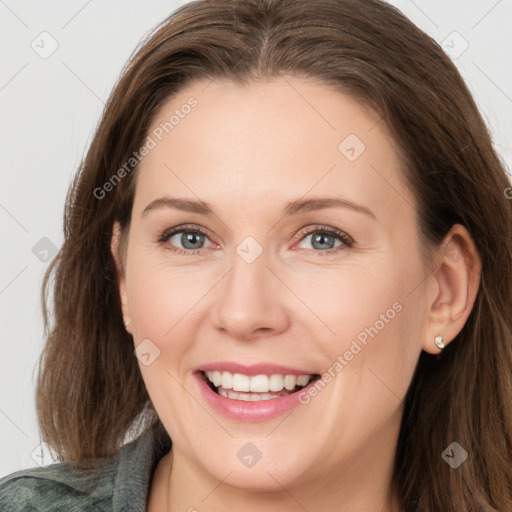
{"points": [[254, 369]]}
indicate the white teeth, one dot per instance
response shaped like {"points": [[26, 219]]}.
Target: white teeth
{"points": [[276, 382], [240, 382], [302, 380], [257, 383], [290, 381], [217, 378], [227, 380], [247, 397]]}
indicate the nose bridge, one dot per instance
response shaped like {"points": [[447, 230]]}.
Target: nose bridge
{"points": [[250, 301]]}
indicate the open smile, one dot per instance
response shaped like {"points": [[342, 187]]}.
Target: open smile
{"points": [[250, 393]]}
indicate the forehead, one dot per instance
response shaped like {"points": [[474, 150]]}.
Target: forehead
{"points": [[280, 139]]}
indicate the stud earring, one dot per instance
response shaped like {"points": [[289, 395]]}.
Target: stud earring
{"points": [[438, 340], [126, 323]]}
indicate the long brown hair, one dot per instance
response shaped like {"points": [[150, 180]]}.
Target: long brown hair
{"points": [[89, 389]]}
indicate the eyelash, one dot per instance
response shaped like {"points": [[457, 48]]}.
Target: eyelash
{"points": [[190, 228]]}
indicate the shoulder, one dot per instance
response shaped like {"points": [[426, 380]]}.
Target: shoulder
{"points": [[58, 487], [115, 484]]}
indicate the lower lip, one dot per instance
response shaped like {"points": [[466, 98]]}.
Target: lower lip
{"points": [[249, 411]]}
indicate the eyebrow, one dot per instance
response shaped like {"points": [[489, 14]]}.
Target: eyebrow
{"points": [[292, 208]]}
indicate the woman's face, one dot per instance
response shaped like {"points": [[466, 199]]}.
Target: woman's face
{"points": [[296, 253]]}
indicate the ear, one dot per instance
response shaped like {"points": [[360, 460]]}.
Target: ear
{"points": [[115, 248], [452, 287]]}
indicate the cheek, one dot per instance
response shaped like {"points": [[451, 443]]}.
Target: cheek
{"points": [[159, 294], [161, 304], [368, 327], [373, 335], [165, 303], [348, 298]]}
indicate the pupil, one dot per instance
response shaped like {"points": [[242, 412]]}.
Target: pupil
{"points": [[190, 238], [321, 238]]}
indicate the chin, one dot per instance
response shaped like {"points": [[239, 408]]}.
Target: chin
{"points": [[269, 473]]}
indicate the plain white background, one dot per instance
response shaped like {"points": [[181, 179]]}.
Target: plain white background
{"points": [[50, 105]]}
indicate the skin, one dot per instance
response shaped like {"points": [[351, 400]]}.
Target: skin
{"points": [[247, 151]]}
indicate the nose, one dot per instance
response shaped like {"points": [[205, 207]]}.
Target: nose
{"points": [[252, 301]]}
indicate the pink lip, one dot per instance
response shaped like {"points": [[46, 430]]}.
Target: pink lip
{"points": [[255, 369], [249, 411]]}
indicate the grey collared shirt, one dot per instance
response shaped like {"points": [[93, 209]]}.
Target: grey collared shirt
{"points": [[121, 484]]}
